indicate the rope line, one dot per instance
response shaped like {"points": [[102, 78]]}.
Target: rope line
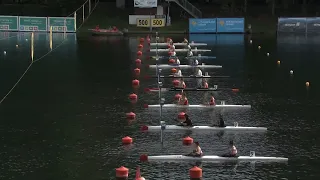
{"points": [[59, 45]]}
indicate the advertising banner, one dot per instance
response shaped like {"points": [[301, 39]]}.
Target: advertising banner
{"points": [[208, 25], [32, 23], [218, 39], [313, 25], [145, 22], [145, 3], [292, 25], [61, 24], [230, 25], [9, 23]]}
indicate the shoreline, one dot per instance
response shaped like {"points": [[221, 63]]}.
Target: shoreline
{"points": [[166, 32]]}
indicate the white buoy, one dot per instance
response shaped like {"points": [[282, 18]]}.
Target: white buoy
{"points": [[291, 72], [4, 52], [26, 39], [17, 45], [250, 41], [268, 54]]}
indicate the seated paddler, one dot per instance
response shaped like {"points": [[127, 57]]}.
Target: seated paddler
{"points": [[197, 152]]}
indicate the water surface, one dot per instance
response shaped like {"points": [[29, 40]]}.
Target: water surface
{"points": [[66, 118]]}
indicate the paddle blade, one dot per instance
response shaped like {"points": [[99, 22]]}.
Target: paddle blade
{"points": [[138, 174], [235, 90]]}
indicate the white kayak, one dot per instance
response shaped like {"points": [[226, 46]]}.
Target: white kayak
{"points": [[186, 57], [210, 128], [213, 158], [179, 89], [191, 76], [184, 66], [219, 106], [179, 44], [180, 50]]}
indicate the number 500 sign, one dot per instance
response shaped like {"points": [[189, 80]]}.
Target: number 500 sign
{"points": [[145, 22]]}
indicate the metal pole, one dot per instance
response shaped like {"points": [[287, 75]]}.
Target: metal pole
{"points": [[161, 132], [83, 17], [168, 13], [150, 23]]}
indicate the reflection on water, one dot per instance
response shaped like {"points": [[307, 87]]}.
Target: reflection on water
{"points": [[220, 39]]}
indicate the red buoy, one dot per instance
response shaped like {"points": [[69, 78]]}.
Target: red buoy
{"points": [[131, 116], [170, 53], [135, 82], [195, 173], [138, 61], [133, 97], [177, 96], [172, 61], [141, 40], [143, 158], [144, 128], [187, 141], [148, 40], [137, 71], [176, 82], [181, 116], [127, 140], [173, 70], [140, 46], [122, 172], [169, 46], [139, 53]]}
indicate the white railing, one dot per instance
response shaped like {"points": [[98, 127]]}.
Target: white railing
{"points": [[187, 6]]}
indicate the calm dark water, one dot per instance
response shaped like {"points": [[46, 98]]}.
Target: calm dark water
{"points": [[66, 118]]}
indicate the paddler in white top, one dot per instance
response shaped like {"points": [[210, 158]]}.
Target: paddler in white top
{"points": [[178, 61], [199, 72], [189, 54], [182, 84], [174, 53], [170, 41], [178, 74], [185, 40], [196, 62], [197, 152], [233, 151], [183, 100]]}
